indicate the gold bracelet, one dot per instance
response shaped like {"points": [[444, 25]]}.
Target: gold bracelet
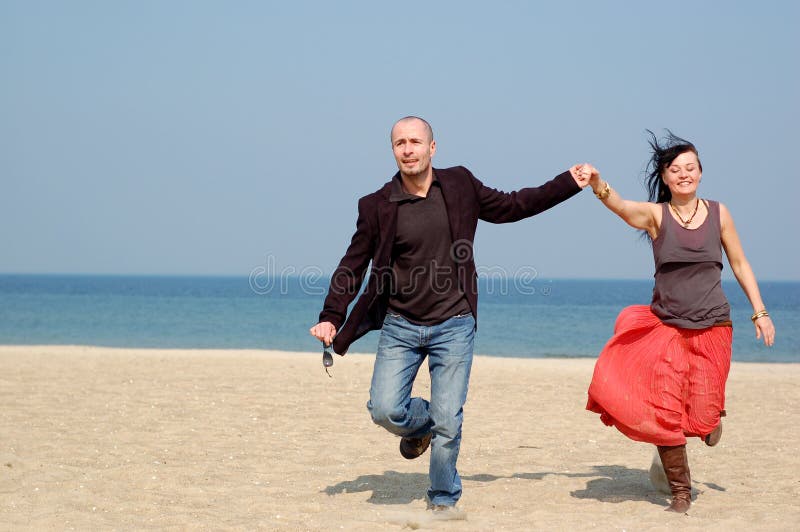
{"points": [[759, 314], [603, 194]]}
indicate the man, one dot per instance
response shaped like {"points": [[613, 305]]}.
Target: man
{"points": [[417, 231]]}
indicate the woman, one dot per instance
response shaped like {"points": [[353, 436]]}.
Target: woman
{"points": [[661, 377]]}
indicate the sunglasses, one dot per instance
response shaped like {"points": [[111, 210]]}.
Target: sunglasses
{"points": [[327, 358]]}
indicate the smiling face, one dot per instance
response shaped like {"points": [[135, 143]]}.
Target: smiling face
{"points": [[413, 147], [683, 175]]}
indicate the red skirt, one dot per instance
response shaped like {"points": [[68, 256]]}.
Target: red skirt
{"points": [[657, 383]]}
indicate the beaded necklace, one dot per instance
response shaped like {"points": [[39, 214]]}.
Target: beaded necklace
{"points": [[689, 221]]}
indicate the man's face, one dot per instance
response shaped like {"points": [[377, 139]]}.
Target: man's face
{"points": [[413, 148]]}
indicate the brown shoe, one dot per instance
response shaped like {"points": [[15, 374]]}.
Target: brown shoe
{"points": [[713, 438], [676, 467], [412, 448]]}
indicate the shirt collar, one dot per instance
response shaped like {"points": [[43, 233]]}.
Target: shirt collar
{"points": [[398, 194]]}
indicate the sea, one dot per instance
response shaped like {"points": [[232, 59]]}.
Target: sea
{"points": [[530, 319]]}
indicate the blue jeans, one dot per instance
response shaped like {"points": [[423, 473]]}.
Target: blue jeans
{"points": [[402, 348]]}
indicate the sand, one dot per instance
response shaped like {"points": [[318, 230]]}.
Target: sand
{"points": [[135, 439]]}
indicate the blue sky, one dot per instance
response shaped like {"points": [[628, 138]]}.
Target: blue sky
{"points": [[216, 137]]}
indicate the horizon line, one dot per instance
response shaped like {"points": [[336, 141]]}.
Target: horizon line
{"points": [[327, 276]]}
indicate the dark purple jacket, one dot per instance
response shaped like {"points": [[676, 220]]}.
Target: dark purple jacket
{"points": [[467, 201]]}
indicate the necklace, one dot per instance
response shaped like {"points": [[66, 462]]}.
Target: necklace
{"points": [[689, 221]]}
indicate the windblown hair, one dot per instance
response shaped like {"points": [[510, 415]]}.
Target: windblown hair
{"points": [[664, 152]]}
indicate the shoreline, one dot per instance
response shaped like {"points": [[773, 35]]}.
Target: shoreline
{"points": [[120, 438], [267, 351]]}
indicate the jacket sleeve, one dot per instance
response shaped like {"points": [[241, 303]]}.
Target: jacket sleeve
{"points": [[348, 277], [503, 207]]}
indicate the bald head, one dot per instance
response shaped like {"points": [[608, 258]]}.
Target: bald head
{"points": [[413, 147], [409, 120]]}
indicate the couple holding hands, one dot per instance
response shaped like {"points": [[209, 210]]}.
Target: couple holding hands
{"points": [[659, 379]]}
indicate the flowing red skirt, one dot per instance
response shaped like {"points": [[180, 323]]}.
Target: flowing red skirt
{"points": [[659, 384]]}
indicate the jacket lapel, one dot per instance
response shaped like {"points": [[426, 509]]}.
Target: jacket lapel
{"points": [[387, 225], [451, 202]]}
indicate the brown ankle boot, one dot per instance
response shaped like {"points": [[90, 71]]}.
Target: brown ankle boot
{"points": [[676, 467], [713, 438]]}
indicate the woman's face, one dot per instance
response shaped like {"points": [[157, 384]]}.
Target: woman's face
{"points": [[683, 175]]}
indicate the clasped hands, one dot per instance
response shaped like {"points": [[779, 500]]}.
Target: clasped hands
{"points": [[585, 175]]}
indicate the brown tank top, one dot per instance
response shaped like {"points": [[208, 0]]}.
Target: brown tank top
{"points": [[688, 288]]}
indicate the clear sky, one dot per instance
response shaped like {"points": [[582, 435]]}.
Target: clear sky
{"points": [[192, 137]]}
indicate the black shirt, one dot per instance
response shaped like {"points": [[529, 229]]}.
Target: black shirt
{"points": [[425, 282]]}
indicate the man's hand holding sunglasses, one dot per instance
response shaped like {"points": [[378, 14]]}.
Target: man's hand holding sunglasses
{"points": [[323, 331]]}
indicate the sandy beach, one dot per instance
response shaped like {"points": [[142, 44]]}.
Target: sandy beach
{"points": [[132, 439]]}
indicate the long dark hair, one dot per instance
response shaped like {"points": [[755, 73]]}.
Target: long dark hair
{"points": [[664, 152]]}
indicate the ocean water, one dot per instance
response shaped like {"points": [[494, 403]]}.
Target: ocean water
{"points": [[545, 318]]}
